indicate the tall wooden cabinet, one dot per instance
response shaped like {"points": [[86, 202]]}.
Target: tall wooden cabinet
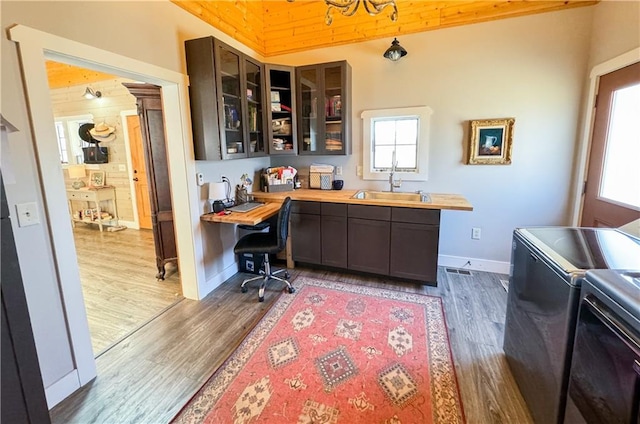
{"points": [[149, 103]]}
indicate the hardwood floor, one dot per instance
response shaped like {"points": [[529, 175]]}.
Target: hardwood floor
{"points": [[117, 272], [149, 376]]}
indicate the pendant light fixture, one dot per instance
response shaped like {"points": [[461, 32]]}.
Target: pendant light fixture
{"points": [[395, 52]]}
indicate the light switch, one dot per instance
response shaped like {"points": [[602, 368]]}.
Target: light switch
{"points": [[27, 214]]}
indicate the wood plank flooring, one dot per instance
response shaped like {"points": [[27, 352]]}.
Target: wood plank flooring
{"points": [[117, 273], [149, 376]]}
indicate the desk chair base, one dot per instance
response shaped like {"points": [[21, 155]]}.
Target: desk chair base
{"points": [[266, 274]]}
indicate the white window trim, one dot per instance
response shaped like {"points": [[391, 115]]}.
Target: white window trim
{"points": [[423, 113], [73, 141]]}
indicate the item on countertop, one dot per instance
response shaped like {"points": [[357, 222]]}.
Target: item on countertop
{"points": [[321, 176], [337, 184], [278, 176]]}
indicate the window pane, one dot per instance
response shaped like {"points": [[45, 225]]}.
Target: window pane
{"points": [[382, 157], [621, 173], [407, 131], [384, 132], [406, 156], [62, 143]]}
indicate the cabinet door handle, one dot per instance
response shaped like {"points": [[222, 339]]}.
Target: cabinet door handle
{"points": [[135, 179]]}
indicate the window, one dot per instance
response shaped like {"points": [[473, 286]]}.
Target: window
{"points": [[69, 142], [401, 134], [621, 172]]}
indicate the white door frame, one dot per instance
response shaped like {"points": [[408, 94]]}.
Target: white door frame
{"points": [[36, 47], [607, 67]]}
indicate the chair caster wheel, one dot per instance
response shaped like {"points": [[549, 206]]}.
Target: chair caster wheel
{"points": [[261, 299], [287, 275], [292, 290], [244, 289]]}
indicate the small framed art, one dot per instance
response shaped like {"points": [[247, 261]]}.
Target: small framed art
{"points": [[490, 141], [96, 179]]}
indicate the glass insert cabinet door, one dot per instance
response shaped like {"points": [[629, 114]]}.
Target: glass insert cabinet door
{"points": [[230, 117], [323, 97], [254, 90]]}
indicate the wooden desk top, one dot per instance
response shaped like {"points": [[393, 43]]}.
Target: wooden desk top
{"points": [[438, 200], [252, 217]]}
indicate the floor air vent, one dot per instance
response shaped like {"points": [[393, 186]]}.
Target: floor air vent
{"points": [[458, 271]]}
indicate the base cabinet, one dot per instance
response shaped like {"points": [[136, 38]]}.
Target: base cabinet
{"points": [[305, 232], [334, 234], [382, 240]]}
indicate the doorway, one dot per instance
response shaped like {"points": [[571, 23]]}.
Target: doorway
{"points": [[116, 268], [612, 186]]}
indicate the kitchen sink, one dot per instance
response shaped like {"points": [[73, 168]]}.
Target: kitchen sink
{"points": [[398, 196]]}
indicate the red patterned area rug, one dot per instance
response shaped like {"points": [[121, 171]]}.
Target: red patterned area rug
{"points": [[337, 353]]}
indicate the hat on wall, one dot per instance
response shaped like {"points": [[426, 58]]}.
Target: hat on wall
{"points": [[102, 132], [83, 132]]}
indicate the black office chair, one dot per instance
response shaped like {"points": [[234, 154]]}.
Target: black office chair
{"points": [[267, 244]]}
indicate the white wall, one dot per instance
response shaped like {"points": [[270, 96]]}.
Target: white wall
{"points": [[616, 30], [531, 68]]}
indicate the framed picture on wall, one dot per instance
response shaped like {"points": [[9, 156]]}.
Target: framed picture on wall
{"points": [[490, 141], [96, 179]]}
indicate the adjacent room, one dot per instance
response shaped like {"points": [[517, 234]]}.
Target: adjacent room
{"points": [[317, 211]]}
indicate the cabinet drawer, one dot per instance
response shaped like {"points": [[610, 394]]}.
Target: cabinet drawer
{"points": [[333, 209], [416, 216], [79, 196], [301, 206], [381, 213]]}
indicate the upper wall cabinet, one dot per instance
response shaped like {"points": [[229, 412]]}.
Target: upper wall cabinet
{"points": [[227, 101], [324, 109], [281, 117]]}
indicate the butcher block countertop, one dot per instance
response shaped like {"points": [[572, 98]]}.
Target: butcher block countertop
{"points": [[438, 200]]}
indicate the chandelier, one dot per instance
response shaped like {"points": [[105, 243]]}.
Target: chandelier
{"points": [[350, 7]]}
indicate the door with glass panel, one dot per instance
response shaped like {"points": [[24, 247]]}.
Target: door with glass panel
{"points": [[612, 188]]}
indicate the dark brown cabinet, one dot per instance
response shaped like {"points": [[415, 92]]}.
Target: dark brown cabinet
{"points": [[227, 101], [334, 234], [155, 154], [324, 109], [414, 244], [369, 235], [281, 118], [399, 242], [305, 232]]}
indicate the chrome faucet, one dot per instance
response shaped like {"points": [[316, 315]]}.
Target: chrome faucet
{"points": [[393, 184]]}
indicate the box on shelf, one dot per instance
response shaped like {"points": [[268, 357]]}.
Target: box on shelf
{"points": [[275, 188], [320, 180], [281, 126]]}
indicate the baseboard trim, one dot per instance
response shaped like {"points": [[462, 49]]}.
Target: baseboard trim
{"points": [[214, 282], [474, 264], [129, 224], [62, 389]]}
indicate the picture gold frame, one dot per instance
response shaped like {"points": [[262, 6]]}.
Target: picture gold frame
{"points": [[96, 179], [491, 141]]}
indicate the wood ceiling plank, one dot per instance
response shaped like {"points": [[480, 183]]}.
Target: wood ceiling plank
{"points": [[62, 75], [273, 27], [240, 19]]}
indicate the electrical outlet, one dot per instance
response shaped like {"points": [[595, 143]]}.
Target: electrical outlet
{"points": [[338, 170], [359, 170], [200, 178], [475, 233]]}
